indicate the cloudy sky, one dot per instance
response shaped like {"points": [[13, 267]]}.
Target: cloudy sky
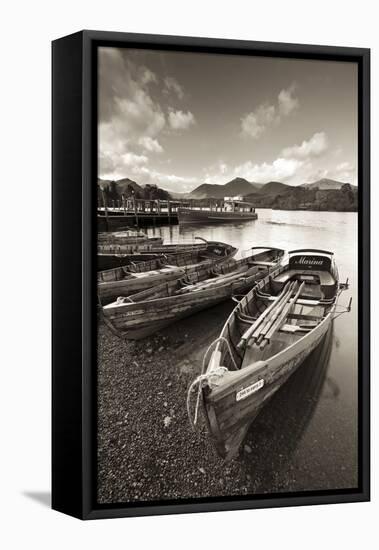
{"points": [[181, 119]]}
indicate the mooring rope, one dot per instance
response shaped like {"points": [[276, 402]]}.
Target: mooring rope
{"points": [[216, 373]]}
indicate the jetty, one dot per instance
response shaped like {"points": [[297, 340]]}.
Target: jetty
{"points": [[136, 213], [133, 212]]}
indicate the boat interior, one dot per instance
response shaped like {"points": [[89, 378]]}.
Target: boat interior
{"points": [[206, 277], [199, 279], [289, 306], [152, 262], [166, 262], [108, 262]]}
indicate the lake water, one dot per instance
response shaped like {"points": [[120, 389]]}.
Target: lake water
{"points": [[306, 437]]}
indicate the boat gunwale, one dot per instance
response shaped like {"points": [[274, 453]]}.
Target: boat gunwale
{"points": [[180, 297], [218, 391], [246, 299], [203, 292]]}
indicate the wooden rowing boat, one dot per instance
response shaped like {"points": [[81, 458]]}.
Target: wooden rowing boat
{"points": [[115, 255], [127, 237], [137, 276], [230, 210], [107, 262], [150, 245], [265, 339], [144, 313]]}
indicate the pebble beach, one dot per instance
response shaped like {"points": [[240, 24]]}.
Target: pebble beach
{"points": [[148, 451]]}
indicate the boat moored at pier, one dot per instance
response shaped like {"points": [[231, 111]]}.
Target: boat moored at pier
{"points": [[231, 209]]}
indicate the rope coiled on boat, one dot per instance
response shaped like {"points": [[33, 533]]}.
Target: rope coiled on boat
{"points": [[215, 373]]}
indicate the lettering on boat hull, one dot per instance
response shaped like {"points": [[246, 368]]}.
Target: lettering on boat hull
{"points": [[245, 392]]}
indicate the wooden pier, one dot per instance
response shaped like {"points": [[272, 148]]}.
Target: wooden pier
{"points": [[137, 213], [131, 212]]}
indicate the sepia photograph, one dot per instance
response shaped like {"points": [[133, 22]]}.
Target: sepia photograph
{"points": [[227, 275]]}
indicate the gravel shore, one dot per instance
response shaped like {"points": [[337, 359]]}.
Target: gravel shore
{"points": [[148, 451]]}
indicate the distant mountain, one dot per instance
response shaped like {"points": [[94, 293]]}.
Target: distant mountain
{"points": [[207, 190], [179, 196], [274, 188], [324, 184], [267, 192], [238, 186]]}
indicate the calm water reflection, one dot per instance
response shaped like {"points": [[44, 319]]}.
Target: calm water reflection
{"points": [[307, 435]]}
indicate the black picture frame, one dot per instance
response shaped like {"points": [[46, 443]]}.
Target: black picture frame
{"points": [[74, 152]]}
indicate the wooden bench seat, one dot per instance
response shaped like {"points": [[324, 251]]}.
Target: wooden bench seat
{"points": [[263, 264], [325, 277]]}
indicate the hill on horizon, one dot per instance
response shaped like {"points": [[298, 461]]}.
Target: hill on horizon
{"points": [[325, 184], [237, 186], [259, 192], [274, 188], [240, 186]]}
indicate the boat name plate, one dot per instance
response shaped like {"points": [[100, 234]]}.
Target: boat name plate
{"points": [[245, 392]]}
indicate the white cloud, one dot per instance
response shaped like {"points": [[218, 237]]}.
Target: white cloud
{"points": [[314, 147], [125, 99], [150, 144], [171, 85], [287, 102], [133, 116], [130, 159], [179, 120], [171, 182], [344, 166], [139, 116], [281, 169], [127, 110], [223, 168], [147, 76], [346, 172], [255, 123], [293, 164], [118, 165]]}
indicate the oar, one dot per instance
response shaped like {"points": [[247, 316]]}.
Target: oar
{"points": [[286, 311], [247, 334], [272, 319], [274, 313]]}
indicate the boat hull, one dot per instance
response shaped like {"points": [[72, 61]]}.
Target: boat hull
{"points": [[111, 261], [143, 330], [118, 249], [137, 320], [109, 291], [231, 409], [110, 287], [190, 216], [124, 238]]}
